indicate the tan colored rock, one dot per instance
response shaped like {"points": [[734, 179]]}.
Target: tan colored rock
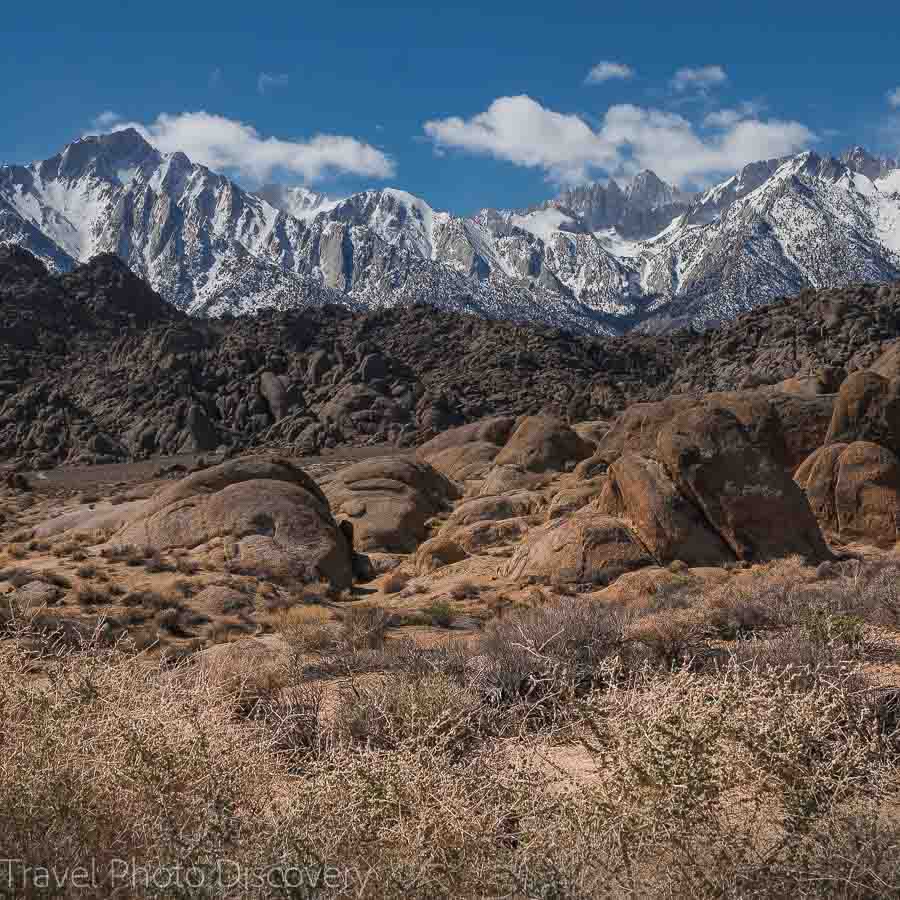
{"points": [[888, 364], [805, 420], [508, 506], [495, 430], [508, 479], [437, 552], [466, 462], [867, 409], [541, 444], [670, 526], [587, 547], [389, 501], [594, 431], [88, 518], [744, 494], [854, 490], [271, 510], [575, 496], [817, 475]]}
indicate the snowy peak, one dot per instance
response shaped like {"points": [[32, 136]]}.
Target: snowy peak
{"points": [[873, 167], [600, 258], [647, 191], [299, 202]]}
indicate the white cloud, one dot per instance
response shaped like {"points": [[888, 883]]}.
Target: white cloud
{"points": [[267, 81], [893, 98], [726, 118], [699, 79], [228, 145], [105, 120], [629, 138], [608, 71]]}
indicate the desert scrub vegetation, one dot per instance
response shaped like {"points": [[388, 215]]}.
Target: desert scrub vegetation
{"points": [[761, 766], [744, 782]]}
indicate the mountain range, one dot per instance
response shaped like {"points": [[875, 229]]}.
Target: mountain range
{"points": [[601, 259]]}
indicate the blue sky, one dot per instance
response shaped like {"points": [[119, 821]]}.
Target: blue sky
{"points": [[467, 105]]}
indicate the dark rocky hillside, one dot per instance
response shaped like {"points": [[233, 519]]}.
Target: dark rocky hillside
{"points": [[95, 367]]}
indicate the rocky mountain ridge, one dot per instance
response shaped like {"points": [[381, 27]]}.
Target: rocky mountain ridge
{"points": [[598, 260], [94, 366]]}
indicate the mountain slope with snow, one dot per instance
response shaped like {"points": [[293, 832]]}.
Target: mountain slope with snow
{"points": [[598, 259]]}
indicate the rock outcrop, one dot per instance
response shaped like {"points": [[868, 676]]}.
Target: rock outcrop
{"points": [[269, 512], [389, 502], [854, 491]]}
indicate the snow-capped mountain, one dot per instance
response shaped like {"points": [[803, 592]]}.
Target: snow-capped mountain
{"points": [[599, 259]]}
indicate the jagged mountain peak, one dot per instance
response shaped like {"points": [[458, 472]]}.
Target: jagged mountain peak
{"points": [[601, 257]]}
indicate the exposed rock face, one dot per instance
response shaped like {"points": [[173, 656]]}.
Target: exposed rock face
{"points": [[486, 509], [854, 491], [867, 409], [588, 547], [542, 443], [640, 492], [95, 367], [389, 502], [745, 495], [272, 512], [467, 452]]}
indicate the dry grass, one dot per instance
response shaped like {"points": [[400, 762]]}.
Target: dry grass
{"points": [[734, 748]]}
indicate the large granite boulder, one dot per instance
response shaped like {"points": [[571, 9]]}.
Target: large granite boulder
{"points": [[744, 494], [640, 491], [588, 547], [272, 512], [389, 501], [867, 409], [854, 491], [542, 444]]}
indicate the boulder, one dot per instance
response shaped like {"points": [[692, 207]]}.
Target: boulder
{"points": [[271, 387], [817, 475], [466, 462], [637, 429], [439, 551], [888, 364], [574, 496], [867, 409], [389, 501], [588, 547], [507, 479], [854, 490], [90, 517], [484, 509], [495, 430], [805, 420], [743, 493], [274, 513], [640, 491], [541, 444]]}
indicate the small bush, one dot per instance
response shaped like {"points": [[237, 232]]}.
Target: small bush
{"points": [[465, 590], [56, 579], [155, 563], [89, 571], [185, 566], [364, 627], [91, 596], [439, 613]]}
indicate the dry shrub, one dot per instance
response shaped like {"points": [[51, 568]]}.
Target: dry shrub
{"points": [[306, 629], [364, 627], [747, 783]]}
